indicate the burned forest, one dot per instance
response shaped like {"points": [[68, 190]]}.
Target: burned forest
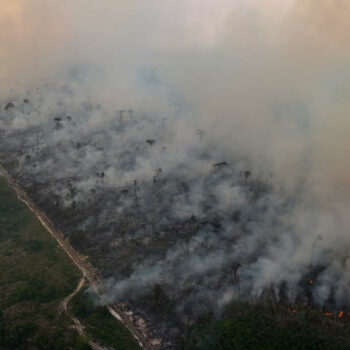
{"points": [[174, 230], [195, 152]]}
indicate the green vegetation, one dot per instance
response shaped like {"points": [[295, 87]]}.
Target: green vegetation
{"points": [[100, 324], [268, 327], [32, 266], [34, 277]]}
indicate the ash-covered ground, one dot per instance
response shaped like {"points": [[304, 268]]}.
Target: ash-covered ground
{"points": [[176, 225]]}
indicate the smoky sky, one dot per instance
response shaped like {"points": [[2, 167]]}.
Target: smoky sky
{"points": [[265, 76]]}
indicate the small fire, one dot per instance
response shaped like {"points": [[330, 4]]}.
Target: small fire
{"points": [[341, 314], [311, 281]]}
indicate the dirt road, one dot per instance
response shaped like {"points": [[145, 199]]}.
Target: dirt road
{"points": [[88, 271], [77, 324], [66, 300]]}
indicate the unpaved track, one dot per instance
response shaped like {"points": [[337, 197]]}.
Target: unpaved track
{"points": [[67, 299], [88, 271], [77, 324]]}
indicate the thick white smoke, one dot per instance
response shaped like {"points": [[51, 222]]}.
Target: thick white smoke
{"points": [[268, 82]]}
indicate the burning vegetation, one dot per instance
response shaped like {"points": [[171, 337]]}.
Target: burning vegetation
{"points": [[173, 232]]}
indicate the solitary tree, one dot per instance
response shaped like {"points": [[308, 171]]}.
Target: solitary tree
{"points": [[37, 140], [156, 177], [101, 175], [9, 106], [193, 218], [58, 124], [220, 165], [71, 189], [121, 113], [235, 268], [151, 142], [136, 188]]}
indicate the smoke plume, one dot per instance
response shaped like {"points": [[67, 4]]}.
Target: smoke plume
{"points": [[261, 87]]}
